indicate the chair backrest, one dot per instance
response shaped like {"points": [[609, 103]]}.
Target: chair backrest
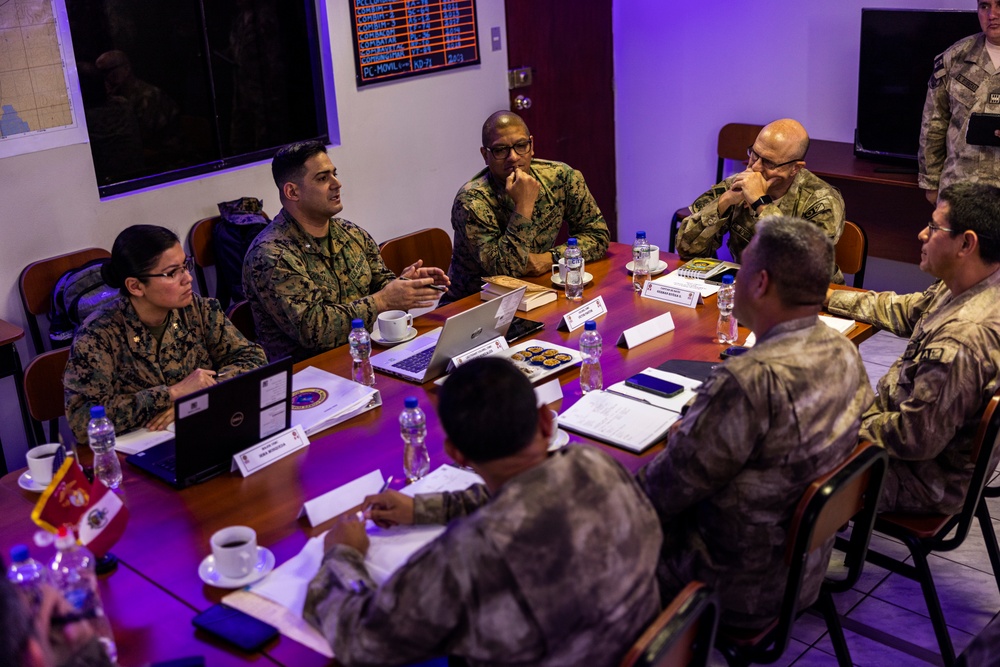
{"points": [[37, 281], [852, 252], [242, 318], [433, 245], [202, 249], [734, 139], [683, 633], [43, 392]]}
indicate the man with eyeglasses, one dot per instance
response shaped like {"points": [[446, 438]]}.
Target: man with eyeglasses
{"points": [[507, 217], [930, 402], [775, 182]]}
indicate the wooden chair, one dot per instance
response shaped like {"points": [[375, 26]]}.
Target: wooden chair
{"points": [[242, 318], [851, 491], [682, 634], [37, 281], [852, 252], [734, 138], [433, 245], [926, 533], [43, 391]]}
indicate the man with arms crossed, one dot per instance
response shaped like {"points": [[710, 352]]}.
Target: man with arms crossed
{"points": [[930, 402], [775, 182], [761, 428], [551, 562], [308, 274], [507, 217]]}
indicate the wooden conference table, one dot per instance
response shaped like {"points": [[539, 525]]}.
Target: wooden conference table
{"points": [[156, 590]]}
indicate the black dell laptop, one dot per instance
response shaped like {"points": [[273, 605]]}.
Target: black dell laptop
{"points": [[213, 424]]}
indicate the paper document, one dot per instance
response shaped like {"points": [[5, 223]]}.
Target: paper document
{"points": [[626, 422], [321, 399], [142, 439], [674, 403], [674, 279], [838, 323]]}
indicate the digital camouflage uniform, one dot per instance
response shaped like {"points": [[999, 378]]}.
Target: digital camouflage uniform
{"points": [[558, 568], [930, 402], [964, 82], [304, 296], [809, 198], [491, 239], [761, 428], [115, 361]]}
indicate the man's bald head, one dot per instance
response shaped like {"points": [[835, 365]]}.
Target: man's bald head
{"points": [[500, 120], [789, 136]]}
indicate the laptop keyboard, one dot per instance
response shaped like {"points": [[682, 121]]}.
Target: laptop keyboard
{"points": [[417, 362], [169, 463]]}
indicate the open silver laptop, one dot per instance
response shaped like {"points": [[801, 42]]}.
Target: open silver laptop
{"points": [[426, 357]]}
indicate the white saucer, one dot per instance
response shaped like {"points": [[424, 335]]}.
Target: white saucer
{"points": [[263, 567], [659, 268], [560, 440], [26, 482], [377, 337], [587, 279]]}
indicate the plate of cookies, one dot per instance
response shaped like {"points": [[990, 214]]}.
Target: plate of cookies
{"points": [[540, 359]]}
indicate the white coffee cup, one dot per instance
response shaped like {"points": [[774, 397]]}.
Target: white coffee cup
{"points": [[394, 324], [560, 269], [235, 551], [40, 461], [654, 256]]}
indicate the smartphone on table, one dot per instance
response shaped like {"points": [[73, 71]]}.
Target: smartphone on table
{"points": [[654, 385]]}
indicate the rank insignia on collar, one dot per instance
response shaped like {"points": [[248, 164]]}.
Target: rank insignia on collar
{"points": [[175, 325], [135, 339]]}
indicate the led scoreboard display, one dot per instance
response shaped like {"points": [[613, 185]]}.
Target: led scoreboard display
{"points": [[411, 37]]}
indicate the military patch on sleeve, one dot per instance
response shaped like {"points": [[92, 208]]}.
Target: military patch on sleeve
{"points": [[939, 64], [971, 85], [995, 97], [816, 209], [936, 355]]}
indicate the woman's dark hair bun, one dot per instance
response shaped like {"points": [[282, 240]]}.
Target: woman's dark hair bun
{"points": [[111, 276]]}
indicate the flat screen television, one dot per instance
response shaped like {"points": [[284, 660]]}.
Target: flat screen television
{"points": [[898, 47]]}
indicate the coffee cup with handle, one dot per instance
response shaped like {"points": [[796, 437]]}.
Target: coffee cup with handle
{"points": [[394, 324], [560, 270], [235, 551], [40, 460]]}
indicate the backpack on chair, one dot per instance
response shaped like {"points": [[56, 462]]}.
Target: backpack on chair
{"points": [[241, 221], [78, 293]]}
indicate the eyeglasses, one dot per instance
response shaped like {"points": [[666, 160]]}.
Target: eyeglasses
{"points": [[501, 152], [174, 273], [768, 164], [934, 228]]}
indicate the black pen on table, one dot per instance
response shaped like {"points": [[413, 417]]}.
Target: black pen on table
{"points": [[439, 288]]}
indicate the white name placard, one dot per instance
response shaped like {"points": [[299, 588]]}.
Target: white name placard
{"points": [[671, 294], [646, 331], [498, 344], [268, 451], [591, 310]]}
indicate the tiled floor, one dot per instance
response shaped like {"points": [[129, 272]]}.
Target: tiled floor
{"points": [[892, 607]]}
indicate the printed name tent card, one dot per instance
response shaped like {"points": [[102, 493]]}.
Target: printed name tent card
{"points": [[576, 318], [679, 296], [266, 452], [341, 499], [647, 331]]}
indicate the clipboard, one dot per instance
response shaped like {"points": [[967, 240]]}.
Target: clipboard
{"points": [[981, 129]]}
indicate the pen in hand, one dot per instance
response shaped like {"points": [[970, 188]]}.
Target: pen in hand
{"points": [[365, 513], [439, 288]]}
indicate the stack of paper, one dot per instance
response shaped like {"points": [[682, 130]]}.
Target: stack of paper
{"points": [[321, 399]]}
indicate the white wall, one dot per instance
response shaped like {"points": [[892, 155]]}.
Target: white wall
{"points": [[684, 69], [405, 148]]}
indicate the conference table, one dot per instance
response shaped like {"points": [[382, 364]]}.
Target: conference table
{"points": [[156, 590]]}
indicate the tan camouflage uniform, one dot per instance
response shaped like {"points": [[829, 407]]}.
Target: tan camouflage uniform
{"points": [[303, 297], [557, 569], [762, 427], [491, 239], [929, 403], [964, 82], [809, 198], [115, 361]]}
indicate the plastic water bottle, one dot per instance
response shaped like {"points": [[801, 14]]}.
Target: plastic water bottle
{"points": [[591, 346], [640, 262], [73, 572], [574, 271], [413, 429], [726, 330], [101, 434], [27, 574], [361, 351]]}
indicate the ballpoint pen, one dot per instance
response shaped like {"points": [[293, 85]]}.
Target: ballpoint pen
{"points": [[439, 288], [364, 514]]}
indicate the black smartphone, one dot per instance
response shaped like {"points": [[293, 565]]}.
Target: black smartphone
{"points": [[654, 385], [734, 351], [237, 628]]}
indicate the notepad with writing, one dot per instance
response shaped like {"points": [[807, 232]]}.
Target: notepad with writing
{"points": [[619, 420]]}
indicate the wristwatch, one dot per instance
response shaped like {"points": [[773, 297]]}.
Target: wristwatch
{"points": [[764, 200]]}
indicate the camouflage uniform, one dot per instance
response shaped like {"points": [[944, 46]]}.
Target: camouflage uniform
{"points": [[115, 361], [304, 296], [528, 577], [809, 198], [930, 402], [964, 81], [491, 239], [762, 427]]}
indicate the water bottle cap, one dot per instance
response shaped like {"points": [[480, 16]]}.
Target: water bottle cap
{"points": [[97, 412], [590, 325], [571, 241], [18, 553], [410, 401], [640, 235], [357, 324], [728, 280]]}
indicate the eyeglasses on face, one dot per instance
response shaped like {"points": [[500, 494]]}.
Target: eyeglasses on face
{"points": [[501, 152], [175, 273], [935, 228], [768, 164]]}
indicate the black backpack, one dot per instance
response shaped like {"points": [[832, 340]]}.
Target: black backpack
{"points": [[78, 293], [242, 220]]}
